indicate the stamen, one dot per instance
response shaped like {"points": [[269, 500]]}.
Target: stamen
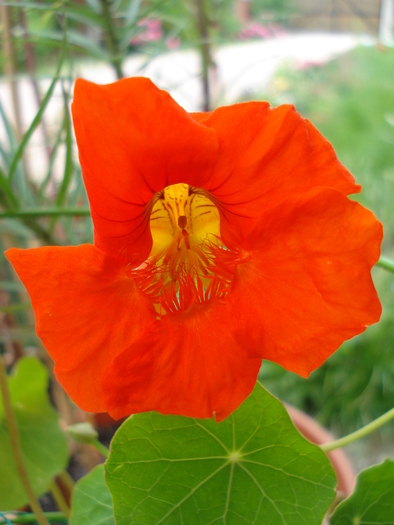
{"points": [[188, 263]]}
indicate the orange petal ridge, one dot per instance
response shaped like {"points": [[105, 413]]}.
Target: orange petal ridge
{"points": [[188, 364], [87, 310], [266, 155], [133, 141], [307, 285]]}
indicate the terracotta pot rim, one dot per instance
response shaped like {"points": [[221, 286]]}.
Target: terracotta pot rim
{"points": [[317, 434]]}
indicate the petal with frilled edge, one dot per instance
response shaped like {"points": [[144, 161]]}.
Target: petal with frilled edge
{"points": [[188, 364], [306, 286], [87, 309], [133, 141], [266, 155]]}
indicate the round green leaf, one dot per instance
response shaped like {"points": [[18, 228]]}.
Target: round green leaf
{"points": [[252, 468], [372, 502], [44, 445], [91, 502]]}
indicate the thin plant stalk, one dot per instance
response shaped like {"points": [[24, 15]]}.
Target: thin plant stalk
{"points": [[386, 263], [59, 498], [205, 51], [30, 61], [362, 432], [10, 71], [67, 480], [44, 212], [16, 517], [104, 451], [16, 448], [113, 42], [9, 65]]}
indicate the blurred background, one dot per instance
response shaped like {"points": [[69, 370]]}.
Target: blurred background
{"points": [[332, 59]]}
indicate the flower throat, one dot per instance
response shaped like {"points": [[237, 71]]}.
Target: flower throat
{"points": [[185, 228]]}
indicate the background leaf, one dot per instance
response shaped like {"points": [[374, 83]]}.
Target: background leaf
{"points": [[91, 502], [44, 445], [254, 467], [372, 500]]}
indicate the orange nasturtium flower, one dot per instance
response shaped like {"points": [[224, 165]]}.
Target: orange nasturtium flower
{"points": [[220, 239]]}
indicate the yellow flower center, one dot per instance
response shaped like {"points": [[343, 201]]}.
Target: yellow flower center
{"points": [[188, 263], [183, 222]]}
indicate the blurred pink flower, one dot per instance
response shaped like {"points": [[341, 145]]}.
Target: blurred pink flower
{"points": [[153, 31], [257, 30], [173, 42], [302, 65]]}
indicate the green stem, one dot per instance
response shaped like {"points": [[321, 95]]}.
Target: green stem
{"points": [[67, 480], [57, 495], [205, 51], [26, 217], [41, 232], [7, 197], [14, 308], [16, 447], [15, 517], [9, 64], [113, 42], [104, 451], [44, 212], [362, 432], [386, 263]]}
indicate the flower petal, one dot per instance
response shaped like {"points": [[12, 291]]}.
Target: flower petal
{"points": [[264, 156], [134, 140], [307, 286], [87, 311], [188, 364]]}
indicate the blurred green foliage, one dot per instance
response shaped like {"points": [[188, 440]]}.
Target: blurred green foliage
{"points": [[350, 100], [277, 10], [110, 30], [44, 445]]}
